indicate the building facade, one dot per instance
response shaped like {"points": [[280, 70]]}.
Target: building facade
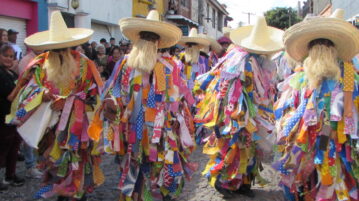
{"points": [[351, 8], [322, 7], [102, 18], [180, 13], [22, 16], [140, 8], [212, 17]]}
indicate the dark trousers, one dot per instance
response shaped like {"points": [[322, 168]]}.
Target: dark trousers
{"points": [[9, 146]]}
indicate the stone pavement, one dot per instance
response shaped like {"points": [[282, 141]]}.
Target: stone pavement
{"points": [[195, 190]]}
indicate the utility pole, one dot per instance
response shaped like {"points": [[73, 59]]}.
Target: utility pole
{"points": [[249, 16]]}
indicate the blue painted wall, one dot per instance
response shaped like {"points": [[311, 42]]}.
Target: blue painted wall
{"points": [[43, 15]]}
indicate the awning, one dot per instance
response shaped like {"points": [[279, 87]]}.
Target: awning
{"points": [[181, 20]]}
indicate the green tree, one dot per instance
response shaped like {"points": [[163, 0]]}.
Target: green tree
{"points": [[282, 18]]}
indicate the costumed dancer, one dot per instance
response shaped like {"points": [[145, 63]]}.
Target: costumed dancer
{"points": [[58, 100], [193, 63], [317, 114], [226, 43], [211, 51], [239, 96], [145, 117]]}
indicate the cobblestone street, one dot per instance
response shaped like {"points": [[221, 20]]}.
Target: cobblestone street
{"points": [[197, 189]]}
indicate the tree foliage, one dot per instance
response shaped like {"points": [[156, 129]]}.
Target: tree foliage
{"points": [[282, 18]]}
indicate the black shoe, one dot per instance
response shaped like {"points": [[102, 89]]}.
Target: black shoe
{"points": [[246, 191], [14, 181], [62, 198], [20, 157], [84, 198], [3, 187], [225, 192], [167, 198]]}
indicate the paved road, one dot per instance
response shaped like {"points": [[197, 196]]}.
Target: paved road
{"points": [[195, 190]]}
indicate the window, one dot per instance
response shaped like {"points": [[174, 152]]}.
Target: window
{"points": [[208, 11], [184, 3], [220, 22], [213, 18]]}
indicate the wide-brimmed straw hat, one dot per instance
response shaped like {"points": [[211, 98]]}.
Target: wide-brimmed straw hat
{"points": [[334, 28], [169, 33], [194, 37], [259, 38], [226, 31], [215, 46], [58, 36]]}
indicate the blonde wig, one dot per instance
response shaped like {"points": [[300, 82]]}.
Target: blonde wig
{"points": [[61, 68], [322, 63], [143, 55], [192, 54]]}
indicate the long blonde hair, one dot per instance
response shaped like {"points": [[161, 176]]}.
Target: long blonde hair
{"points": [[143, 55], [61, 67], [321, 63], [192, 54]]}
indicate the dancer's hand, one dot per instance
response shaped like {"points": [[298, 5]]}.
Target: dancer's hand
{"points": [[110, 110]]}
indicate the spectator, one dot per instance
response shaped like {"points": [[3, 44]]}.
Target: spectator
{"points": [[116, 55], [100, 69], [31, 54], [12, 36], [80, 49], [3, 36], [108, 48], [112, 45], [102, 58], [93, 47], [104, 76], [9, 138], [103, 41], [88, 51], [112, 42]]}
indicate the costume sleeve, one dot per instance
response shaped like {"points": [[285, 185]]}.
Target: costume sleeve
{"points": [[27, 100]]}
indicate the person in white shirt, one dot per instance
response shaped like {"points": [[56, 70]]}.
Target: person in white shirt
{"points": [[12, 36]]}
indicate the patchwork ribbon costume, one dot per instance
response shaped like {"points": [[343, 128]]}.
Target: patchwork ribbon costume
{"points": [[317, 140], [153, 133], [69, 157], [237, 106]]}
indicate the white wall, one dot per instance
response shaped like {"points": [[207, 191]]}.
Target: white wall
{"points": [[106, 12]]}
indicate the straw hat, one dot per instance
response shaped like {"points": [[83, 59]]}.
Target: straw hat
{"points": [[58, 36], [215, 46], [226, 31], [194, 37], [259, 38], [334, 28], [169, 34]]}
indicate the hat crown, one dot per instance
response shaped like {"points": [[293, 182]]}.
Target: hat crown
{"points": [[338, 13], [153, 15], [58, 29], [193, 33], [259, 31]]}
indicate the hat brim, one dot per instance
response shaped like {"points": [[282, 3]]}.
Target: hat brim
{"points": [[273, 44], [202, 42], [344, 36], [215, 46], [169, 34], [41, 40]]}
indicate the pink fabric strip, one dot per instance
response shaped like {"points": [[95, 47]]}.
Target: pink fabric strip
{"points": [[66, 113]]}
